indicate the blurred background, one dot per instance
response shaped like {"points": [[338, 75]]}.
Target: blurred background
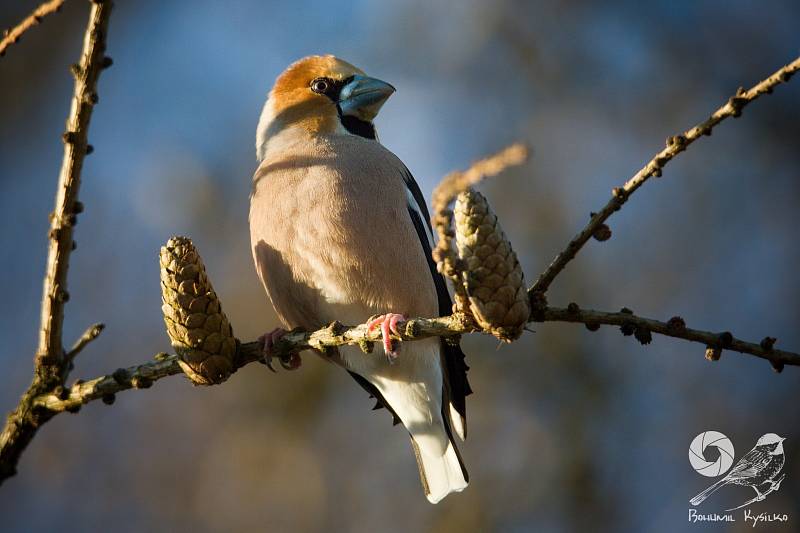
{"points": [[569, 430]]}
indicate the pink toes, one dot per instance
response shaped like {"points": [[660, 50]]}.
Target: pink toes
{"points": [[394, 318], [388, 324], [268, 340]]}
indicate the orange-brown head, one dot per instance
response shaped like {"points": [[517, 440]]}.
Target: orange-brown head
{"points": [[322, 95]]}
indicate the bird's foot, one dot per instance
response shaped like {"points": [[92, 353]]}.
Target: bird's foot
{"points": [[388, 324], [267, 341]]}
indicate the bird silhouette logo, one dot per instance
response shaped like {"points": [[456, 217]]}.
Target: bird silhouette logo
{"points": [[760, 468]]}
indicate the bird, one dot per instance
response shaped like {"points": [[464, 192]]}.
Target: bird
{"points": [[756, 468], [340, 231]]}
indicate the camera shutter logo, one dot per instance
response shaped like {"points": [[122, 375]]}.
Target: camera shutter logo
{"points": [[759, 469], [697, 453]]}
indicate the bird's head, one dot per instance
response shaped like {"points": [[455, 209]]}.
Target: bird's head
{"points": [[772, 442], [322, 95]]}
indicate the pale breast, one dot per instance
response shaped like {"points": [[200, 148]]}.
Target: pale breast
{"points": [[332, 237]]}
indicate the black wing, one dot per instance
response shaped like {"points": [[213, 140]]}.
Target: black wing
{"points": [[455, 366]]}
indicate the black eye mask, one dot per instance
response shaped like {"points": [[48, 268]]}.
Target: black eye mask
{"points": [[352, 124]]}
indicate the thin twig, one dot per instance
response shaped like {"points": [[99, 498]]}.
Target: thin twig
{"points": [[455, 182], [675, 145], [143, 376], [91, 333], [13, 35], [50, 364], [67, 206], [675, 327]]}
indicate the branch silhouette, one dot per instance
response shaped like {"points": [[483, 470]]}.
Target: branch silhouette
{"points": [[207, 352], [14, 35]]}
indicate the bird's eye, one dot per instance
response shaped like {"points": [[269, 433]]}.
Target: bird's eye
{"points": [[320, 85]]}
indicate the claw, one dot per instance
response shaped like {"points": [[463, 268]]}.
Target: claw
{"points": [[388, 324], [268, 340]]}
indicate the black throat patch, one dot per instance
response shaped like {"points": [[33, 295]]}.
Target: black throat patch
{"points": [[353, 125], [356, 126]]}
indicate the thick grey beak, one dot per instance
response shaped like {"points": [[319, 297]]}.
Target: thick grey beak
{"points": [[363, 97]]}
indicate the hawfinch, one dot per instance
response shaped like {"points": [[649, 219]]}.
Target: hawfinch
{"points": [[340, 231]]}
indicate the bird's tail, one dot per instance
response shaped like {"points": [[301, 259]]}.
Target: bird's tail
{"points": [[413, 391], [440, 474], [697, 500]]}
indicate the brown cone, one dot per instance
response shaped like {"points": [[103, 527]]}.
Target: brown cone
{"points": [[198, 329], [492, 274]]}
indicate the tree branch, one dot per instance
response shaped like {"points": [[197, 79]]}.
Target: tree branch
{"points": [[675, 145], [675, 327], [143, 376], [13, 35], [50, 363], [88, 336], [67, 206]]}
